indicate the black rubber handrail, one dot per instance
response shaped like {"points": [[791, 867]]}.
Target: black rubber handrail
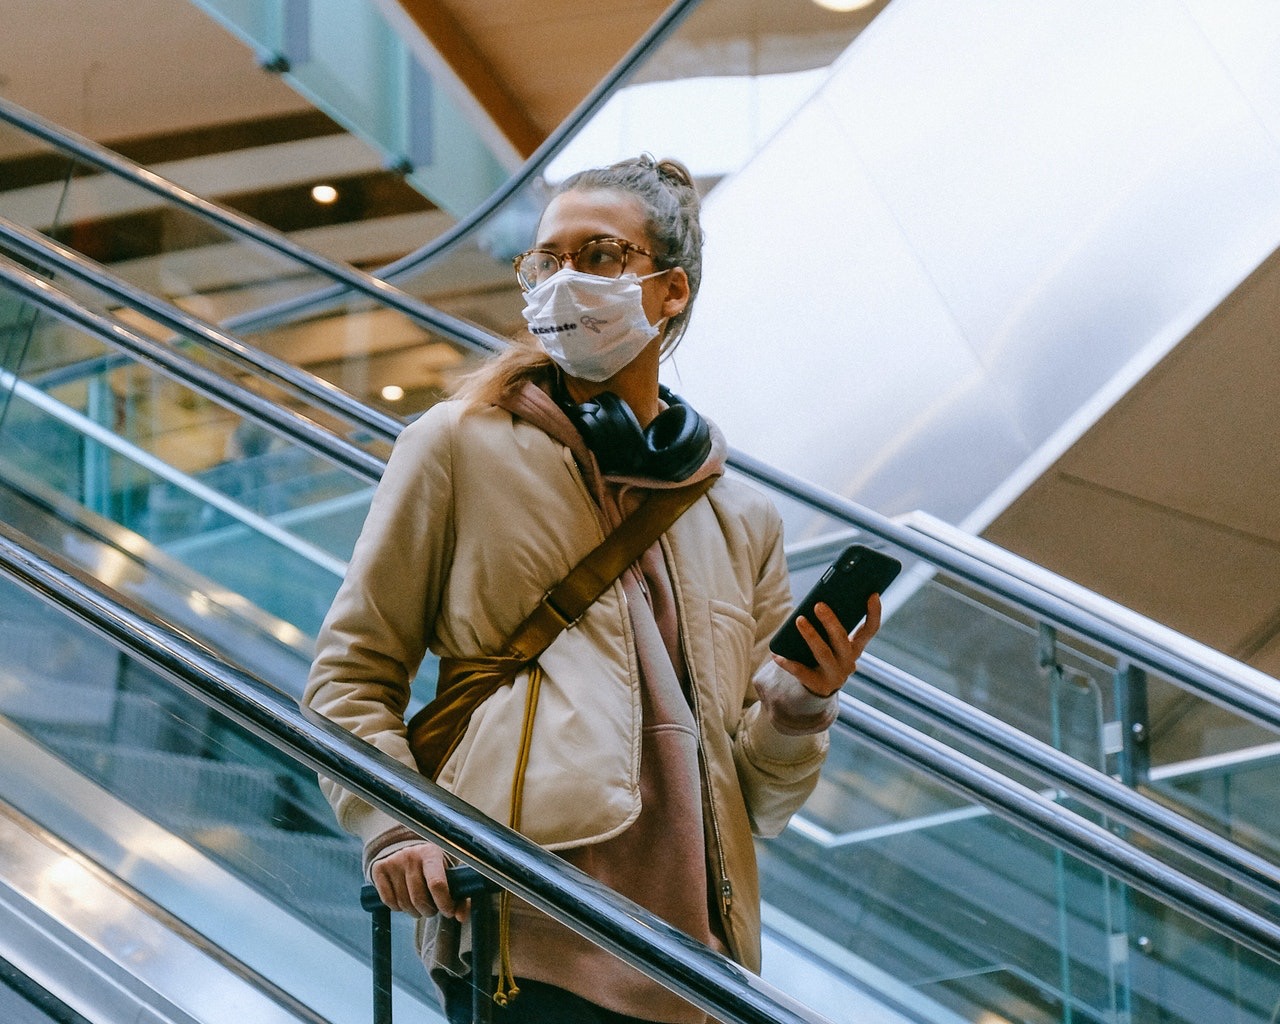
{"points": [[709, 980], [178, 365], [50, 253]]}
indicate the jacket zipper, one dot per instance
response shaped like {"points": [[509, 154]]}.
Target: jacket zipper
{"points": [[725, 888]]}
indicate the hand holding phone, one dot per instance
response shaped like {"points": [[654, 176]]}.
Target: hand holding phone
{"points": [[845, 588]]}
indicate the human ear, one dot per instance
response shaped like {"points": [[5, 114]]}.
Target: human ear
{"points": [[677, 293]]}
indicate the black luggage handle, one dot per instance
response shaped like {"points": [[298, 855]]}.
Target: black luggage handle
{"points": [[464, 883]]}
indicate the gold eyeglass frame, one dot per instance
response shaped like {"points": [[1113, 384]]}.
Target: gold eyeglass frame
{"points": [[627, 249]]}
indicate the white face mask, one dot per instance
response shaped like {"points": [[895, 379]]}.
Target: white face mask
{"points": [[592, 326]]}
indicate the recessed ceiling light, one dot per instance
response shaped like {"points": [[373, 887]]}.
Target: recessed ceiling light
{"points": [[393, 392], [324, 194], [843, 5]]}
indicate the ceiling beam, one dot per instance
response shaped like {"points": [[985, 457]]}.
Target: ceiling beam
{"points": [[475, 73]]}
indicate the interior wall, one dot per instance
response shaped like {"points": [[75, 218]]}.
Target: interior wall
{"points": [[1170, 503]]}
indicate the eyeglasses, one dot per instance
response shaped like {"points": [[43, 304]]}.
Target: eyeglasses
{"points": [[603, 257]]}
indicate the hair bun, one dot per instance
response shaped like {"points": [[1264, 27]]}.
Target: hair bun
{"points": [[672, 170], [676, 171]]}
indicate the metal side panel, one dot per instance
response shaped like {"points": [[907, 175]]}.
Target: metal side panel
{"points": [[78, 936], [150, 921]]}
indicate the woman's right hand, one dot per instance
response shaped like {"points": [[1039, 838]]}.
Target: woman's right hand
{"points": [[413, 880]]}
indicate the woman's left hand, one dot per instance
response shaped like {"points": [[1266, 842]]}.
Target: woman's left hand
{"points": [[837, 652]]}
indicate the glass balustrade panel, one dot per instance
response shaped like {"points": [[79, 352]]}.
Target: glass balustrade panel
{"points": [[904, 881], [229, 497], [888, 883]]}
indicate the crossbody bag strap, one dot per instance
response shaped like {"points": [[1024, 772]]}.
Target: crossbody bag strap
{"points": [[465, 683], [566, 602]]}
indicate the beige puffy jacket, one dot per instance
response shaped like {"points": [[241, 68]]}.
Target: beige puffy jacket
{"points": [[477, 515]]}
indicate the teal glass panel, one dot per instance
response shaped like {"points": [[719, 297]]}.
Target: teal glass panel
{"points": [[348, 60]]}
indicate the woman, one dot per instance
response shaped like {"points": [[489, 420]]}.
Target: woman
{"points": [[664, 734]]}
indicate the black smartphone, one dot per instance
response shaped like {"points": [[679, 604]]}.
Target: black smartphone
{"points": [[845, 587]]}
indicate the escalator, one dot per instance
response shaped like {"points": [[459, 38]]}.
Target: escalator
{"points": [[869, 822], [890, 891], [910, 899]]}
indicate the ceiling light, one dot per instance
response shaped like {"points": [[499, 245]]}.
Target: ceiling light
{"points": [[393, 393], [324, 194], [843, 5]]}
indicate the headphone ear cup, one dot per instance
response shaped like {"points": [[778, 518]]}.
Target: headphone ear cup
{"points": [[677, 442], [612, 431]]}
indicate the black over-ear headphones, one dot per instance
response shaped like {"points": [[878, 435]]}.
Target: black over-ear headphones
{"points": [[676, 443]]}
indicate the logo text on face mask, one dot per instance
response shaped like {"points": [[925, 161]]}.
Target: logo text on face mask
{"points": [[592, 323], [553, 329]]}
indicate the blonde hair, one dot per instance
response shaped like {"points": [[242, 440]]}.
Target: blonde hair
{"points": [[672, 210], [504, 374]]}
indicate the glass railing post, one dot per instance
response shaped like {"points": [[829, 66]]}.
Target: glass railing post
{"points": [[96, 465], [1127, 741], [1119, 916], [1077, 728]]}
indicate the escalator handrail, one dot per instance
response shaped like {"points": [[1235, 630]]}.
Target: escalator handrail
{"points": [[51, 253], [657, 34], [1091, 787], [1081, 838], [641, 939], [468, 334], [1210, 675], [1002, 560], [364, 464], [86, 427]]}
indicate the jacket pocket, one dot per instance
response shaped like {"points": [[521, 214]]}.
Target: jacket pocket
{"points": [[732, 642]]}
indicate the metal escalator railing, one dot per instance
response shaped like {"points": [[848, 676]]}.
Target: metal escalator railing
{"points": [[1093, 788], [661, 30], [285, 421], [239, 226], [49, 253], [1238, 687], [710, 981], [1089, 602], [1090, 842], [94, 431]]}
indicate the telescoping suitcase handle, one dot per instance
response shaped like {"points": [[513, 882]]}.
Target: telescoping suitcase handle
{"points": [[464, 883]]}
